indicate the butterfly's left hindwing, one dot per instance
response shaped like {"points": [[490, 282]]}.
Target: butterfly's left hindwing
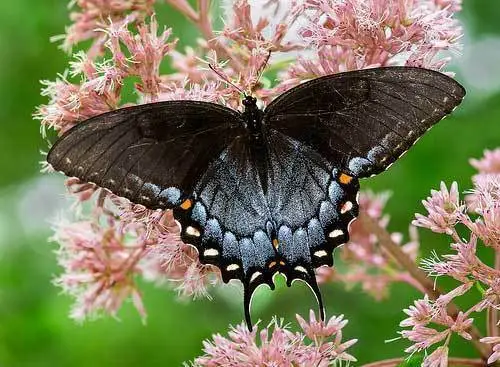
{"points": [[364, 119]]}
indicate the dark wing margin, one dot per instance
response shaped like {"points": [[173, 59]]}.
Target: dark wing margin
{"points": [[364, 120], [151, 154]]}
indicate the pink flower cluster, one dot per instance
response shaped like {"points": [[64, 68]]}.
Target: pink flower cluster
{"points": [[356, 34], [319, 345], [104, 253], [93, 14], [445, 214], [100, 265], [100, 85]]}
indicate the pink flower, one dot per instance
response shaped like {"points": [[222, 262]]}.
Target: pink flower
{"points": [[444, 299], [485, 200], [420, 314], [426, 315], [277, 346], [355, 34], [100, 267], [438, 358], [318, 328], [91, 15], [490, 163], [495, 355], [443, 209], [368, 265], [171, 261], [423, 337], [68, 104], [465, 265], [461, 324]]}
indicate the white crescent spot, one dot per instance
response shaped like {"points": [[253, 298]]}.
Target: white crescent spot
{"points": [[301, 269], [346, 207], [255, 276], [232, 267], [192, 231], [336, 233], [210, 252], [320, 253]]}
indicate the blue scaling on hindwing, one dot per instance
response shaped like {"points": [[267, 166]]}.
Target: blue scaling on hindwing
{"points": [[328, 214], [171, 196], [199, 214], [264, 247]]}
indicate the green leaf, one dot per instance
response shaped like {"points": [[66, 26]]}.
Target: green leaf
{"points": [[414, 361]]}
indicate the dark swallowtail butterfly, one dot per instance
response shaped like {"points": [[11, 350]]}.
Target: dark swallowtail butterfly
{"points": [[261, 192]]}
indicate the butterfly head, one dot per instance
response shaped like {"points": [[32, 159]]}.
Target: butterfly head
{"points": [[249, 101]]}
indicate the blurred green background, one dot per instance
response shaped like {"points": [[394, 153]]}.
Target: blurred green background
{"points": [[34, 327]]}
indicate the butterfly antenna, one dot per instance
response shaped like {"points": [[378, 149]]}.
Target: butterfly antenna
{"points": [[225, 79], [263, 67]]}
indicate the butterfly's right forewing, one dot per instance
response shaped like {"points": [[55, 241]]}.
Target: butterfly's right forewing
{"points": [[363, 120]]}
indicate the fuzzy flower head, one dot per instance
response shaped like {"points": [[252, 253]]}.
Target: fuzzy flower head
{"points": [[444, 210], [100, 267], [92, 14], [419, 314], [438, 358], [490, 163], [434, 322], [355, 34], [168, 259], [320, 344], [484, 199]]}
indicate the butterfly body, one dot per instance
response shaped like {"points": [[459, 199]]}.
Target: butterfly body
{"points": [[261, 192], [252, 116]]}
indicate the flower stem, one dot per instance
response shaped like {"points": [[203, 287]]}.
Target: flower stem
{"points": [[492, 320], [185, 8], [407, 263], [451, 362]]}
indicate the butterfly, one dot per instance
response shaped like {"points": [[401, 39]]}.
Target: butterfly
{"points": [[261, 192]]}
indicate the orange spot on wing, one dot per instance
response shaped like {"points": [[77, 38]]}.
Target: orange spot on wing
{"points": [[282, 262], [345, 179], [272, 264], [186, 204]]}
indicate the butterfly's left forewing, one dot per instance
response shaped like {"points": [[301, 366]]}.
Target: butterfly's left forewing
{"points": [[151, 154]]}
